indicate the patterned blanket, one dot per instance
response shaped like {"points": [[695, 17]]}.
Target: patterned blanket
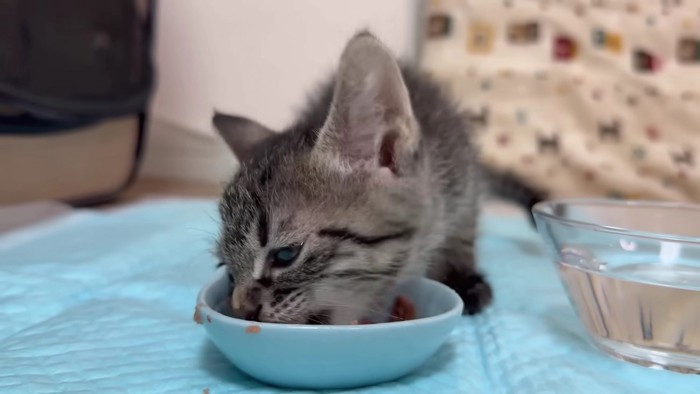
{"points": [[582, 98]]}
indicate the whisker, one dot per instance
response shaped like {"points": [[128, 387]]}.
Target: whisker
{"points": [[203, 231], [321, 319], [340, 277], [212, 218], [377, 311]]}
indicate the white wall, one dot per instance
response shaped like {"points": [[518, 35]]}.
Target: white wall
{"points": [[259, 58]]}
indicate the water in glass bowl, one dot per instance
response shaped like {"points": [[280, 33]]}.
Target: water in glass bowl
{"points": [[644, 313]]}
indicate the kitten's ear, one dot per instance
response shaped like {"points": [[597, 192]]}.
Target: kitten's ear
{"points": [[370, 119], [241, 134]]}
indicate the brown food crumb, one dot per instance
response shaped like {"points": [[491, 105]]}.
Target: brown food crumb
{"points": [[403, 310], [198, 315], [253, 329], [205, 391]]}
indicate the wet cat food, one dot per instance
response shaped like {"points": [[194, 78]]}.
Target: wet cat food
{"points": [[402, 310]]}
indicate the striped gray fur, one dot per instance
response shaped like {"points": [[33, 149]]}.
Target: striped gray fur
{"points": [[377, 178]]}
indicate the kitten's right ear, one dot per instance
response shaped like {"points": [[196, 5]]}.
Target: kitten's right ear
{"points": [[241, 134], [371, 119]]}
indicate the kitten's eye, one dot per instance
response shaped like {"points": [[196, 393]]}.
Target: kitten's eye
{"points": [[284, 257]]}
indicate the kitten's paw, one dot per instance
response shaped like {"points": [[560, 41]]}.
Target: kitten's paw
{"points": [[473, 289]]}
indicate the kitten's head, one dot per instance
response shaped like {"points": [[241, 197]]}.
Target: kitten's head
{"points": [[318, 223]]}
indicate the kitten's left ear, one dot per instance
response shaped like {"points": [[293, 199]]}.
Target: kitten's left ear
{"points": [[241, 134], [371, 119]]}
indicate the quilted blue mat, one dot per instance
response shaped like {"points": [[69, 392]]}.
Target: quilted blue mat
{"points": [[102, 302]]}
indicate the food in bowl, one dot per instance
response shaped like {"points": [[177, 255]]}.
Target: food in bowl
{"points": [[632, 273], [402, 309]]}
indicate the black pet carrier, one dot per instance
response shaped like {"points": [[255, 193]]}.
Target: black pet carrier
{"points": [[75, 81]]}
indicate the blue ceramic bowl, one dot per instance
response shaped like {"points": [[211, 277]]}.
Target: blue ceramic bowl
{"points": [[332, 357]]}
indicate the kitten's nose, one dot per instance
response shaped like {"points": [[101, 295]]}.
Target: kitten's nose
{"points": [[245, 296], [247, 300], [252, 296]]}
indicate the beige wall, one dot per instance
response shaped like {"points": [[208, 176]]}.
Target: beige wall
{"points": [[259, 58]]}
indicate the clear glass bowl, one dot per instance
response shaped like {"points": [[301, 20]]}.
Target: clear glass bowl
{"points": [[632, 273]]}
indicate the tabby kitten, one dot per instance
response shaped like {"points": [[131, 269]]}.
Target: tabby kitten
{"points": [[376, 181]]}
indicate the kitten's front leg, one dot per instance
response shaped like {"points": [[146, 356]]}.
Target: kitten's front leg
{"points": [[457, 269]]}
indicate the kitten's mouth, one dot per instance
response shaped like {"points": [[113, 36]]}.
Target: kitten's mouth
{"points": [[254, 315]]}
